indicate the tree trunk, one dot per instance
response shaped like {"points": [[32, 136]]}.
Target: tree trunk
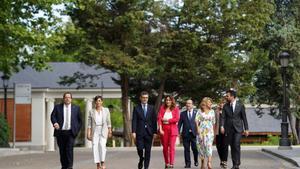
{"points": [[295, 140], [297, 126], [125, 110], [160, 93]]}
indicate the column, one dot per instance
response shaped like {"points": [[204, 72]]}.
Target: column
{"points": [[50, 138], [88, 107]]}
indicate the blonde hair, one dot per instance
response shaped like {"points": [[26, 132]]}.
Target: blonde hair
{"points": [[204, 102]]}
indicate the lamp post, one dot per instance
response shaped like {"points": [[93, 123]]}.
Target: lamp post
{"points": [[284, 142], [5, 79]]}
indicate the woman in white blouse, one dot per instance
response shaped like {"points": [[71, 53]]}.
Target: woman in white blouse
{"points": [[99, 129]]}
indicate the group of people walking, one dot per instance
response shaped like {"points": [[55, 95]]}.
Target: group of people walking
{"points": [[198, 128]]}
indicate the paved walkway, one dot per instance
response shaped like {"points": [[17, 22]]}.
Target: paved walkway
{"points": [[252, 158]]}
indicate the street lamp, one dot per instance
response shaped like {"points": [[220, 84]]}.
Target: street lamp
{"points": [[284, 142], [5, 79]]}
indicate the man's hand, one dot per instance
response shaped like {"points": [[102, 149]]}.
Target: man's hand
{"points": [[222, 130], [134, 136], [56, 126], [246, 133]]}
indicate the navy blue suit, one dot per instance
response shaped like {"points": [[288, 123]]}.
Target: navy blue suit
{"points": [[66, 138], [189, 133], [144, 127]]}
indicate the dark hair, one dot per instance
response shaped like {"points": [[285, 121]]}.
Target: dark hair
{"points": [[190, 100], [98, 97], [144, 93], [231, 92], [173, 104], [66, 94]]}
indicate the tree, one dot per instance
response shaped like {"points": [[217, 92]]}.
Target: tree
{"points": [[111, 34], [282, 34], [27, 34], [197, 48], [202, 48]]}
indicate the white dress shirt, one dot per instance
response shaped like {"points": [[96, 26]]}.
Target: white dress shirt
{"points": [[99, 117], [233, 105], [67, 117]]}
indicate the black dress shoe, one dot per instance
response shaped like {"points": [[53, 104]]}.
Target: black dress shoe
{"points": [[187, 166], [196, 164], [140, 165]]}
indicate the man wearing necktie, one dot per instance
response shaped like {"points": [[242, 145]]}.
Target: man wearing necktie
{"points": [[144, 129], [66, 120], [189, 133], [233, 124]]}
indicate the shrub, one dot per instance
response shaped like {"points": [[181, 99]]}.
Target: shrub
{"points": [[4, 132]]}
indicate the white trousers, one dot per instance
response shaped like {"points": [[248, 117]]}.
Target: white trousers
{"points": [[99, 145]]}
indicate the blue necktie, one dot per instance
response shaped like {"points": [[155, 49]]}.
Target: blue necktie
{"points": [[189, 115]]}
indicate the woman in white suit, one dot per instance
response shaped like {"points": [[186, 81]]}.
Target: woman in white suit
{"points": [[99, 128]]}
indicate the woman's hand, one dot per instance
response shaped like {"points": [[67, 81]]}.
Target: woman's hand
{"points": [[89, 137], [109, 134], [89, 134], [161, 132]]}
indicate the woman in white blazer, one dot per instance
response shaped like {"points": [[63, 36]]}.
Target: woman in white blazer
{"points": [[99, 128]]}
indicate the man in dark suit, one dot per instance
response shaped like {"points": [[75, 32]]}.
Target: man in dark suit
{"points": [[144, 127], [189, 133], [66, 120], [233, 123]]}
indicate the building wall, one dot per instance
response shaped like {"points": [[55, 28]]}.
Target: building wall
{"points": [[23, 119]]}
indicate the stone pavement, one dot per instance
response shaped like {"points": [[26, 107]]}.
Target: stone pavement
{"points": [[126, 158], [292, 156], [15, 151]]}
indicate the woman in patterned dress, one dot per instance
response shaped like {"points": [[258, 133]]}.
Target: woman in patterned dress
{"points": [[205, 121]]}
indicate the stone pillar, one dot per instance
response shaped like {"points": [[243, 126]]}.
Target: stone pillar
{"points": [[50, 138], [88, 107]]}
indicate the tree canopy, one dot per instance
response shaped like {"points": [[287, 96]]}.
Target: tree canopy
{"points": [[27, 33]]}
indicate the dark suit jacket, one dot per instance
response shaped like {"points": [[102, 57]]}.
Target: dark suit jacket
{"points": [[57, 116], [236, 120], [139, 121], [187, 124]]}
